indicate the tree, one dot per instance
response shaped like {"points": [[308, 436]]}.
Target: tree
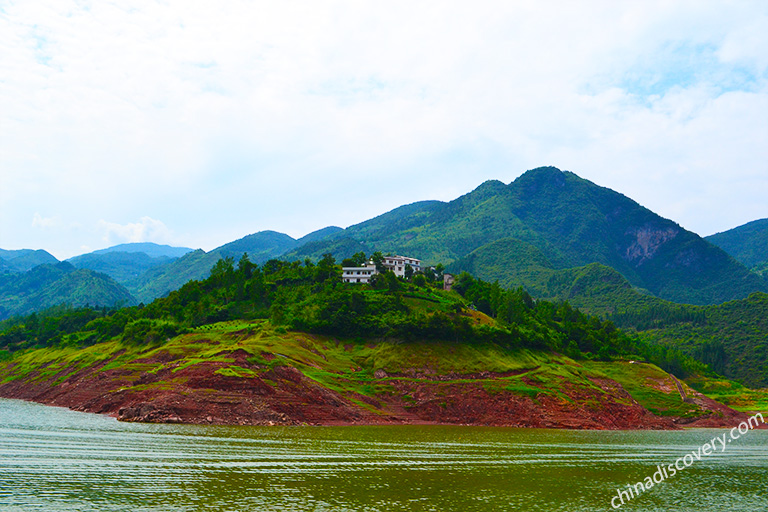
{"points": [[408, 272], [326, 268], [359, 259], [378, 260], [244, 266], [223, 270]]}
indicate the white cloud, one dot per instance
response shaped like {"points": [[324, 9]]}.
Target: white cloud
{"points": [[224, 119], [146, 230], [38, 221]]}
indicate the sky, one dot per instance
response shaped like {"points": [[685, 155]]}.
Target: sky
{"points": [[195, 123]]}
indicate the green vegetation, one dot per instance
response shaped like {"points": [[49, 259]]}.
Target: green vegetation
{"points": [[261, 247], [311, 298], [24, 259], [46, 286], [747, 243], [300, 314], [120, 266], [559, 221], [730, 337]]}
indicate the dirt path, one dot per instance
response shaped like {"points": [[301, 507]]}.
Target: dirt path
{"points": [[680, 388]]}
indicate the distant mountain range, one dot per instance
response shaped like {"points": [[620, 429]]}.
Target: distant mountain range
{"points": [[24, 259], [49, 285], [550, 231], [747, 243]]}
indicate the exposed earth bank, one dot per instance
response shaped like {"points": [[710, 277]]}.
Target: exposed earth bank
{"points": [[252, 377]]}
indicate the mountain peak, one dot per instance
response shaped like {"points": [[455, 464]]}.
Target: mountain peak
{"points": [[540, 179]]}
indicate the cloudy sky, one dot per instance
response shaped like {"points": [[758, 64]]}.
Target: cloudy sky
{"points": [[195, 122]]}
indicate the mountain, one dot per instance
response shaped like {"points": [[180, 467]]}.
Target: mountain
{"points": [[24, 259], [261, 247], [120, 266], [570, 221], [50, 285], [148, 248], [747, 243], [595, 288]]}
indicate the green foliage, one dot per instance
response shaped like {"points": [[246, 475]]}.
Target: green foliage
{"points": [[558, 221], [311, 298], [747, 243], [120, 266], [730, 337], [46, 286]]}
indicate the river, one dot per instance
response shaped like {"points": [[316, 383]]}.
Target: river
{"points": [[54, 459]]}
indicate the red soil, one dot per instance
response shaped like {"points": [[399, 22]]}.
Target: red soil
{"points": [[285, 396]]}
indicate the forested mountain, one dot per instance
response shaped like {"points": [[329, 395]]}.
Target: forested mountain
{"points": [[24, 259], [731, 337], [747, 243], [49, 285], [120, 266], [260, 247], [150, 249], [570, 221]]}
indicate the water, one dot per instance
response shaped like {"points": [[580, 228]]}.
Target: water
{"points": [[53, 459]]}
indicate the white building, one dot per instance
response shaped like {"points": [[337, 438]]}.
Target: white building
{"points": [[358, 274], [396, 264]]}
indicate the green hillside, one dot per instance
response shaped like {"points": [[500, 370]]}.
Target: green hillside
{"points": [[311, 298], [570, 221], [150, 249], [747, 243], [731, 337], [46, 286], [290, 343], [161, 279], [24, 259], [120, 266]]}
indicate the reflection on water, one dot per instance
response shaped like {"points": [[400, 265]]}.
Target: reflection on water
{"points": [[53, 459]]}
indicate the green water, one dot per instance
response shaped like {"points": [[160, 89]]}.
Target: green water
{"points": [[53, 459]]}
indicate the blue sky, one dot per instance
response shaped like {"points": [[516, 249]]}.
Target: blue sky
{"points": [[196, 123]]}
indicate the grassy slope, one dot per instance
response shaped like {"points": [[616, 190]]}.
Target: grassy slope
{"points": [[348, 366]]}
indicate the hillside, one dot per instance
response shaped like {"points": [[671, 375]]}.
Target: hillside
{"points": [[731, 337], [161, 279], [595, 288], [289, 344], [747, 243], [24, 259], [570, 221], [120, 266], [150, 249], [46, 286]]}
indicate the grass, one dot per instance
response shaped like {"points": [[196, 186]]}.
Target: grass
{"points": [[348, 366], [732, 394], [652, 387]]}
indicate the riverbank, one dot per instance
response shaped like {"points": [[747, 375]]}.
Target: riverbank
{"points": [[250, 374]]}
